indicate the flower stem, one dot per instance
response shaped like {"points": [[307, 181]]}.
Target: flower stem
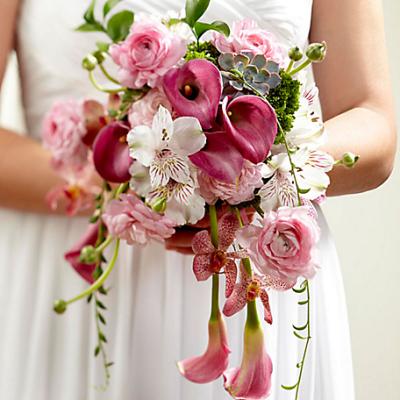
{"points": [[290, 66], [214, 225], [215, 279], [108, 76], [104, 245], [305, 64], [252, 321], [246, 261], [101, 88]]}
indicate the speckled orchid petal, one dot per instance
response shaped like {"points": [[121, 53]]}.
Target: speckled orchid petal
{"points": [[227, 227], [111, 153], [230, 277], [267, 308], [219, 158], [251, 124], [73, 255], [237, 300], [195, 90], [201, 267], [202, 243], [212, 364]]}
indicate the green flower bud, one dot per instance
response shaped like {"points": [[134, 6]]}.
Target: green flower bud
{"points": [[316, 52], [60, 306], [295, 54], [89, 62], [159, 205], [349, 160], [88, 255], [99, 55]]}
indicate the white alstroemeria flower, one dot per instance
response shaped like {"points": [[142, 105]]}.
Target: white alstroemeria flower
{"points": [[140, 179], [165, 146], [179, 28]]}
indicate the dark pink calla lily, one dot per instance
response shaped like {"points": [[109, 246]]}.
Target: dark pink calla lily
{"points": [[212, 364], [252, 125], [111, 153], [195, 90], [219, 158], [73, 255]]}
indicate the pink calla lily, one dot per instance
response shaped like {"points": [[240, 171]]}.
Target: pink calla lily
{"points": [[251, 124], [195, 90], [219, 158], [73, 255], [252, 380], [212, 364], [111, 153]]}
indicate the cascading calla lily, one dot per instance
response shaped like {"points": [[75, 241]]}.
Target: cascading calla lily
{"points": [[252, 380], [212, 364], [73, 255], [111, 153], [251, 123], [195, 90]]}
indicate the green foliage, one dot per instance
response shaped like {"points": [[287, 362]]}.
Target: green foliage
{"points": [[204, 50], [109, 5], [119, 25], [195, 10], [285, 99], [201, 28]]}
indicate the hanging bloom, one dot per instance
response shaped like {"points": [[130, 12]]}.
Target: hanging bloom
{"points": [[284, 245], [208, 260], [131, 220], [211, 365], [252, 125], [195, 90], [234, 193], [111, 153], [95, 119], [252, 380], [73, 255]]}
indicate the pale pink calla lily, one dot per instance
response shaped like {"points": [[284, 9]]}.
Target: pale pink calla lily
{"points": [[212, 364], [219, 158], [252, 380], [208, 260], [73, 255], [195, 90], [251, 124], [111, 153]]}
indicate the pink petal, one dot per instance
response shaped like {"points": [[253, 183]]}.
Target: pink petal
{"points": [[251, 123], [230, 277], [227, 227], [94, 115], [211, 365], [237, 300], [201, 243], [267, 308], [201, 267]]}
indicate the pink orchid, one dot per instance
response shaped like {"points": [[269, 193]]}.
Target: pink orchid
{"points": [[111, 153], [208, 260], [195, 90], [251, 124], [212, 364], [73, 256], [252, 380]]}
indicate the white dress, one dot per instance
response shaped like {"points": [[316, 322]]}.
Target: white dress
{"points": [[157, 313]]}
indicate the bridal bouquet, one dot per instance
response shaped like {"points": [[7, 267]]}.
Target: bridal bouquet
{"points": [[203, 122]]}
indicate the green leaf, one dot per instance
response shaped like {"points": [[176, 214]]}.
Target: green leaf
{"points": [[119, 24], [195, 9], [102, 337], [101, 318], [90, 27], [97, 351], [299, 291], [289, 387], [304, 191], [303, 303], [299, 336], [201, 28], [89, 13], [89, 298], [110, 364], [103, 46], [109, 5], [101, 305], [300, 328]]}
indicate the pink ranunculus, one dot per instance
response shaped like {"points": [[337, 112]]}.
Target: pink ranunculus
{"points": [[252, 380], [143, 111], [284, 246], [246, 35], [131, 220], [234, 193], [147, 54], [212, 364], [63, 131]]}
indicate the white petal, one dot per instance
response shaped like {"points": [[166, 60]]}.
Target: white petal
{"points": [[163, 125], [140, 181], [279, 162], [314, 179], [321, 160], [143, 144], [188, 136], [167, 167], [182, 214]]}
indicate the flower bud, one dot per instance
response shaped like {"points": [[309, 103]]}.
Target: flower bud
{"points": [[99, 55], [316, 52], [295, 54], [159, 205], [60, 306], [88, 255], [89, 62], [349, 160]]}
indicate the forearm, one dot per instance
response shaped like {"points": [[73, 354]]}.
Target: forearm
{"points": [[25, 173], [368, 134]]}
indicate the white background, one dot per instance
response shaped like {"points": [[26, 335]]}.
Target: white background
{"points": [[366, 228]]}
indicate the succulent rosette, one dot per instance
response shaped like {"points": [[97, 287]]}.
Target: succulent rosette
{"points": [[222, 136]]}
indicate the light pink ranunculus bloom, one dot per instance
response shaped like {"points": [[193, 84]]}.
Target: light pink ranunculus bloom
{"points": [[284, 246], [246, 35], [147, 54], [131, 220], [143, 111], [234, 193], [212, 364], [63, 131]]}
